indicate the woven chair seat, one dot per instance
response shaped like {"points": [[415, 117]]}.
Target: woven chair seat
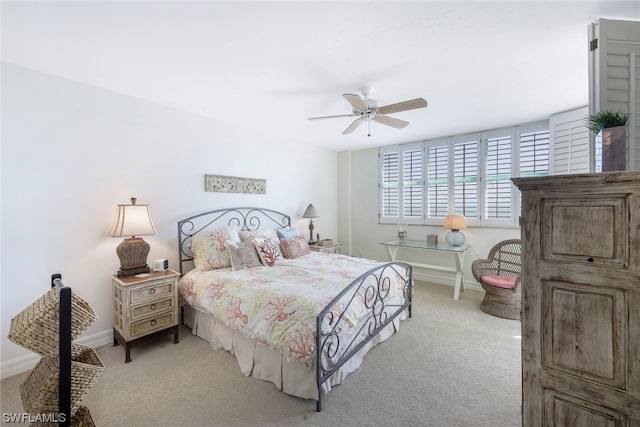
{"points": [[499, 276]]}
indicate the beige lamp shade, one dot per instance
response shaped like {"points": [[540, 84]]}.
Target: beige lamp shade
{"points": [[455, 222], [131, 221]]}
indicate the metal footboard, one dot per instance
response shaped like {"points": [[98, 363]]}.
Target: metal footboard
{"points": [[375, 288]]}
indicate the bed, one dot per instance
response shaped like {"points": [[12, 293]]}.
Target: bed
{"points": [[300, 319]]}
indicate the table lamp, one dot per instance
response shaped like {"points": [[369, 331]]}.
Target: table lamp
{"points": [[455, 223], [132, 220], [310, 213]]}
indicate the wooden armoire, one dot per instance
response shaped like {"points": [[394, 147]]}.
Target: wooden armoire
{"points": [[581, 299]]}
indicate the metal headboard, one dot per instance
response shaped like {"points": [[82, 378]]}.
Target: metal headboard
{"points": [[246, 219]]}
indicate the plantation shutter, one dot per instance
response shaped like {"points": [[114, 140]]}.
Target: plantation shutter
{"points": [[438, 180], [389, 177], [614, 75], [412, 184], [534, 154], [465, 174], [569, 138], [497, 184], [402, 184]]}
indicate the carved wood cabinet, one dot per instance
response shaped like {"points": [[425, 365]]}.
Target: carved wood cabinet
{"points": [[581, 299]]}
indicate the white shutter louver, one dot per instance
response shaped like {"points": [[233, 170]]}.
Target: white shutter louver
{"points": [[465, 171], [412, 184], [497, 174], [389, 191], [438, 181]]}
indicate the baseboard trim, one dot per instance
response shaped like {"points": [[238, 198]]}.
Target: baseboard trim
{"points": [[27, 362]]}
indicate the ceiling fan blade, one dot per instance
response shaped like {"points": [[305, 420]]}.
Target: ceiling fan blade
{"points": [[353, 126], [403, 106], [355, 101], [390, 121], [332, 117]]}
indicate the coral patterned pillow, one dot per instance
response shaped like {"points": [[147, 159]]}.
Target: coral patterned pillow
{"points": [[210, 250], [270, 233], [268, 250], [243, 255], [294, 247]]}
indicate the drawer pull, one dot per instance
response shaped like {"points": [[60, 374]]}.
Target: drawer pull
{"points": [[152, 291], [153, 322], [590, 259], [152, 307]]}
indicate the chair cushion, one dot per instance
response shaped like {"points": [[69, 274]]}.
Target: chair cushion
{"points": [[505, 282]]}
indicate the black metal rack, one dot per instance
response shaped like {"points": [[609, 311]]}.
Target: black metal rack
{"points": [[64, 346]]}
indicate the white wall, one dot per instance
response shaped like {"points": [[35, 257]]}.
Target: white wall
{"points": [[72, 152], [358, 183]]}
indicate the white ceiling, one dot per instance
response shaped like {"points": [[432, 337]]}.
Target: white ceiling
{"points": [[271, 65]]}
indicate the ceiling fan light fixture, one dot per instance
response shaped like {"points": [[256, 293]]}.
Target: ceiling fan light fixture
{"points": [[365, 108]]}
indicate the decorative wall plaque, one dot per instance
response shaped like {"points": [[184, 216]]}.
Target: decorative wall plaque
{"points": [[234, 184]]}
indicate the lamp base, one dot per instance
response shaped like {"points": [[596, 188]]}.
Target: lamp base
{"points": [[311, 241], [133, 271], [455, 238], [133, 256]]}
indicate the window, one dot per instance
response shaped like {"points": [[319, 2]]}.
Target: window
{"points": [[412, 184], [534, 153], [465, 172], [467, 175], [402, 184], [497, 188], [438, 180], [389, 184]]}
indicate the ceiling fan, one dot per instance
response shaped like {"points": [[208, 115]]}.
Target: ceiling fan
{"points": [[366, 109]]}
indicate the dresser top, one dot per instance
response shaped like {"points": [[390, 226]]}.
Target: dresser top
{"points": [[603, 178]]}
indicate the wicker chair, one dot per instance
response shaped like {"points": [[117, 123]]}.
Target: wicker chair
{"points": [[499, 276]]}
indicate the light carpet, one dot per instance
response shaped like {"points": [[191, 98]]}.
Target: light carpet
{"points": [[450, 365]]}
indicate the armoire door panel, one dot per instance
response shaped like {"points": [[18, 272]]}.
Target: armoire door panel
{"points": [[566, 411], [590, 230], [584, 332], [581, 299]]}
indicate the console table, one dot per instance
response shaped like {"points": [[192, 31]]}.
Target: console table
{"points": [[456, 251]]}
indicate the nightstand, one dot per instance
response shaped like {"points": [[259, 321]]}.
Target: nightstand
{"points": [[327, 249], [144, 308]]}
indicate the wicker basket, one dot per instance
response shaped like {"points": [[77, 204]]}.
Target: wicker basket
{"points": [[39, 392], [36, 327]]}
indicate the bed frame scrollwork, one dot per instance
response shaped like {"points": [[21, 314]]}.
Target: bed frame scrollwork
{"points": [[373, 287]]}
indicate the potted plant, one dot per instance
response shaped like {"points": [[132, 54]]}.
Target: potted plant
{"points": [[611, 138]]}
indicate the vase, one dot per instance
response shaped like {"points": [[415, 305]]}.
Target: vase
{"points": [[614, 148]]}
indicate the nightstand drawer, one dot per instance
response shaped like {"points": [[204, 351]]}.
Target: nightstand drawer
{"points": [[154, 291], [145, 310], [152, 324]]}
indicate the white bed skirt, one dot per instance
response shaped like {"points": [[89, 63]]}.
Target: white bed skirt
{"points": [[259, 361]]}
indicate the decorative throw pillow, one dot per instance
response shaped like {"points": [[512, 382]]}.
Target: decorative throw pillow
{"points": [[209, 248], [287, 234], [268, 251], [243, 255], [270, 233], [295, 247]]}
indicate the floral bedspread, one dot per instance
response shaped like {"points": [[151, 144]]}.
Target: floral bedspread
{"points": [[277, 306]]}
